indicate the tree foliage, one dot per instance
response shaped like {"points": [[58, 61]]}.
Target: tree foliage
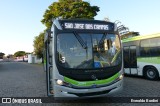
{"points": [[39, 45], [19, 53], [129, 34], [69, 9], [2, 54]]}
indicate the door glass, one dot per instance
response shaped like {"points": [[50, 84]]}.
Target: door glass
{"points": [[133, 57], [126, 57]]}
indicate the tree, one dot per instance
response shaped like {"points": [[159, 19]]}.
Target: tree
{"points": [[69, 9], [19, 53], [129, 34], [38, 45], [1, 55]]}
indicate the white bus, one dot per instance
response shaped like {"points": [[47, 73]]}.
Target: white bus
{"points": [[142, 56], [83, 58]]}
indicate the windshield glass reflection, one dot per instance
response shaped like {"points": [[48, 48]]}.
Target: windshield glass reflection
{"points": [[101, 50]]}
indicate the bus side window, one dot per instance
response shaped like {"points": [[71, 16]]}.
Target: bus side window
{"points": [[155, 46], [158, 44], [144, 48], [150, 47]]}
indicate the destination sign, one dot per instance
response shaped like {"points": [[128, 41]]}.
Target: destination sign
{"points": [[88, 26]]}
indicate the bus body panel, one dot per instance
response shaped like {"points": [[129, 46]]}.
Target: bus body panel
{"points": [[61, 91], [140, 68], [144, 60]]}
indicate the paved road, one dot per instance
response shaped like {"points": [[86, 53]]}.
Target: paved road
{"points": [[18, 79], [21, 79]]}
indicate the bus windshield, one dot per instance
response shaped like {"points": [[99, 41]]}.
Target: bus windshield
{"points": [[88, 51]]}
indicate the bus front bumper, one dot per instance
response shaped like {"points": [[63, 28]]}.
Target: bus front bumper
{"points": [[61, 91]]}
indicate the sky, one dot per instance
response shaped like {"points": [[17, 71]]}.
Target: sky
{"points": [[20, 20]]}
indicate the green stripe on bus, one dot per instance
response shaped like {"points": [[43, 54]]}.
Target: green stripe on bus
{"points": [[89, 83], [140, 37], [155, 60]]}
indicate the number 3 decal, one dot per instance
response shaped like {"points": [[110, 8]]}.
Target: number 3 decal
{"points": [[63, 60]]}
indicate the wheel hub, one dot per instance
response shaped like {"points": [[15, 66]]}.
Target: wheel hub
{"points": [[151, 73]]}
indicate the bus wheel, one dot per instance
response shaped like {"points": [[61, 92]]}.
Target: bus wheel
{"points": [[151, 73]]}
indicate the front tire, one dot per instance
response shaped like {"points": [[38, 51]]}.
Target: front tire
{"points": [[151, 73]]}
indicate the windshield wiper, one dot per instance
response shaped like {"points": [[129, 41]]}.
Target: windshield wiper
{"points": [[102, 39], [81, 41]]}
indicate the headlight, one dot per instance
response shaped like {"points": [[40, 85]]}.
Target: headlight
{"points": [[59, 82], [121, 77], [62, 83]]}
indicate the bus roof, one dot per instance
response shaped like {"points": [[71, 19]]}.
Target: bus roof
{"points": [[141, 37]]}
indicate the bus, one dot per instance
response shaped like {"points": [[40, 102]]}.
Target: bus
{"points": [[83, 58], [142, 56]]}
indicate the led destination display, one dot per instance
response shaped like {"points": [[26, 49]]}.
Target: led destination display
{"points": [[88, 26]]}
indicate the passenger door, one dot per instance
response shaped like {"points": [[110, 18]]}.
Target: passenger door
{"points": [[130, 60], [133, 60], [126, 60]]}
